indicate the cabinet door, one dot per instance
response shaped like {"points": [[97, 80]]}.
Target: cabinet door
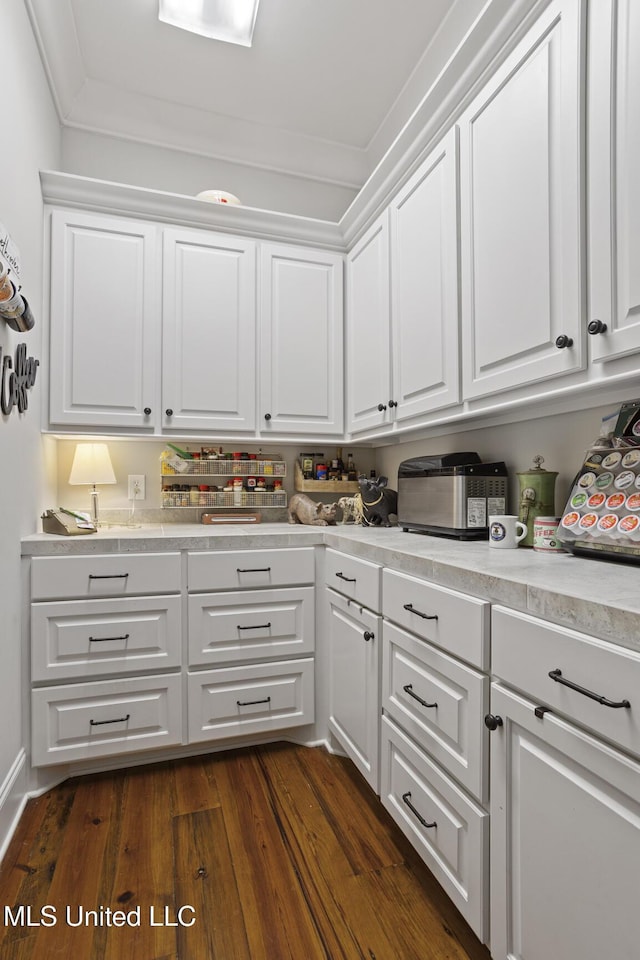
{"points": [[209, 328], [301, 341], [104, 321], [368, 333], [614, 186], [565, 840], [424, 286], [520, 151], [355, 638]]}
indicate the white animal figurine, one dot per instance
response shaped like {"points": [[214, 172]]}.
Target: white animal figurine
{"points": [[351, 509], [303, 509]]}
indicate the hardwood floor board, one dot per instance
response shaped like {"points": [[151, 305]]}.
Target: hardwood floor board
{"points": [[77, 877], [145, 869], [348, 805], [283, 850], [205, 879], [390, 917], [277, 918], [195, 787], [30, 862]]}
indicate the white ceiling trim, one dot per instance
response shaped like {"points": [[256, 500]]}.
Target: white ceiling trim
{"points": [[147, 120], [79, 100]]}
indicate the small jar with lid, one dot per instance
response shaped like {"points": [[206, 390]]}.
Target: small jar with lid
{"points": [[203, 495]]}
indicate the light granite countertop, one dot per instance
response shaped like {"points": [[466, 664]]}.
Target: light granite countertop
{"points": [[595, 596]]}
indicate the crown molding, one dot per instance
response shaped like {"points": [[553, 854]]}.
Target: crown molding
{"points": [[495, 32], [125, 200]]}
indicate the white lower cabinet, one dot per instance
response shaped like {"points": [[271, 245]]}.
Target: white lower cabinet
{"points": [[449, 830], [258, 643], [257, 698], [355, 638], [83, 721], [434, 746], [565, 799]]}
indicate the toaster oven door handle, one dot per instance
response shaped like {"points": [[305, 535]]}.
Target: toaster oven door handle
{"points": [[425, 616]]}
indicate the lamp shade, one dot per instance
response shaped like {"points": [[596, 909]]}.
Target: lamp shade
{"points": [[92, 464]]}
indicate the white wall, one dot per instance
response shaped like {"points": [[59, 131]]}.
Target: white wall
{"points": [[561, 440], [31, 142], [174, 171]]}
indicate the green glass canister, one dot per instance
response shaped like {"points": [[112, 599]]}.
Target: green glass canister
{"points": [[537, 496]]}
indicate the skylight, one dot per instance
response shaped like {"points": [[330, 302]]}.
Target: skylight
{"points": [[229, 20]]}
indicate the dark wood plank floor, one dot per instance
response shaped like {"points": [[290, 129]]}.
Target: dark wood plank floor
{"points": [[275, 853]]}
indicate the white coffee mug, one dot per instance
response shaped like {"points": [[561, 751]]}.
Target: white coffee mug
{"points": [[503, 531]]}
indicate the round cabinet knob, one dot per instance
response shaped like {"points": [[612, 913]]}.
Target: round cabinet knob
{"points": [[596, 326], [563, 341], [368, 635], [267, 416], [381, 407], [492, 722], [169, 412], [393, 403], [147, 411]]}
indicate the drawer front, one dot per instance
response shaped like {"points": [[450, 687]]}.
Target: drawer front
{"points": [[452, 621], [357, 579], [441, 703], [250, 625], [117, 575], [260, 698], [89, 638], [230, 569], [448, 830], [526, 650], [86, 720]]}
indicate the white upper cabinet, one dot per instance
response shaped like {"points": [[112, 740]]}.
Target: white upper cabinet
{"points": [[209, 331], [402, 301], [105, 325], [368, 332], [614, 184], [301, 353], [424, 286], [521, 162]]}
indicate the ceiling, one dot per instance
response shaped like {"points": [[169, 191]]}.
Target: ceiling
{"points": [[321, 93]]}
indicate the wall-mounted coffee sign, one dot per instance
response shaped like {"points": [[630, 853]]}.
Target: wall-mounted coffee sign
{"points": [[18, 375], [14, 308]]}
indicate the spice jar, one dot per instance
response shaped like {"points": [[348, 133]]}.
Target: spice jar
{"points": [[203, 491]]}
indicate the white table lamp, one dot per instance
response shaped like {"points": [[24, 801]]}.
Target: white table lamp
{"points": [[92, 465]]}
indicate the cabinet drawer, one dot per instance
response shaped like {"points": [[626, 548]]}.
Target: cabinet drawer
{"points": [[250, 625], [453, 621], [357, 579], [259, 698], [86, 638], [441, 703], [115, 575], [526, 650], [226, 570], [81, 721], [455, 844]]}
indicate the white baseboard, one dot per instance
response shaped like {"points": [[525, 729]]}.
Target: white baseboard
{"points": [[13, 799]]}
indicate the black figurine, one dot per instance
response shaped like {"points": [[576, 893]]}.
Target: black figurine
{"points": [[378, 502]]}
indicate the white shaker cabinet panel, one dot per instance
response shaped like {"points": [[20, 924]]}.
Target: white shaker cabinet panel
{"points": [[614, 185], [368, 330], [354, 638], [520, 160], [105, 321], [301, 354], [565, 839], [424, 286], [209, 331]]}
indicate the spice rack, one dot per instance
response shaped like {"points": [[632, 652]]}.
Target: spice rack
{"points": [[175, 472], [323, 486]]}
